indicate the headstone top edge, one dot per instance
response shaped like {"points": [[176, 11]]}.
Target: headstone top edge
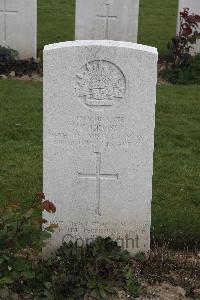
{"points": [[106, 43]]}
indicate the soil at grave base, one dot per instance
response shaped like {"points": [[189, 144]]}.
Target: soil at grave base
{"points": [[33, 77], [168, 275], [163, 291]]}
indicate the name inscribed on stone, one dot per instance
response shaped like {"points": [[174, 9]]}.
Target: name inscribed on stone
{"points": [[86, 130]]}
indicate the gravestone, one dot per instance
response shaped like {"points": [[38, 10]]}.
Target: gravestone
{"points": [[18, 26], [194, 8], [107, 20], [99, 114]]}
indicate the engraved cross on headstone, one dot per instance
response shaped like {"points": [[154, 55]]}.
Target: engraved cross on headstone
{"points": [[98, 176], [5, 12], [107, 16]]}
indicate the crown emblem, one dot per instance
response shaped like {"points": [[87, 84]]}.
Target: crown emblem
{"points": [[100, 83]]}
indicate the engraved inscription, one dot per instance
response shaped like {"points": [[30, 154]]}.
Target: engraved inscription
{"points": [[5, 12], [103, 227], [100, 83], [98, 131], [128, 235], [98, 176], [107, 17]]}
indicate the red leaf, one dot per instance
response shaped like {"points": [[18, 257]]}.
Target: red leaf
{"points": [[191, 18], [40, 195], [186, 31], [42, 221], [48, 206], [183, 14], [197, 18]]}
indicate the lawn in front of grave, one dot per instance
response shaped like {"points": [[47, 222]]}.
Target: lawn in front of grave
{"points": [[20, 140], [176, 180]]}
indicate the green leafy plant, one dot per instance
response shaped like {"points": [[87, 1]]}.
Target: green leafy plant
{"points": [[7, 58], [97, 270], [187, 74], [9, 61], [21, 237]]}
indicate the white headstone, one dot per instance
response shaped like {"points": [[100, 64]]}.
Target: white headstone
{"points": [[18, 26], [107, 20], [194, 8], [99, 114]]}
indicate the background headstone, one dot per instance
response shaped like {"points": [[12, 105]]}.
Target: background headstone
{"points": [[99, 115], [194, 6], [107, 20], [18, 26]]}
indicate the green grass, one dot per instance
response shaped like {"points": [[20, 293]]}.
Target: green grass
{"points": [[157, 22], [176, 187], [55, 22], [176, 183], [20, 140]]}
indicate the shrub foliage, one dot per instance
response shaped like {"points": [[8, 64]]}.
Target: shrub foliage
{"points": [[188, 34], [182, 68], [21, 237], [189, 73], [9, 61], [97, 269]]}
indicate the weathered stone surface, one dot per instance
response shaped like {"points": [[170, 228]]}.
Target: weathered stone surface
{"points": [[194, 6], [107, 20], [18, 26], [99, 111]]}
